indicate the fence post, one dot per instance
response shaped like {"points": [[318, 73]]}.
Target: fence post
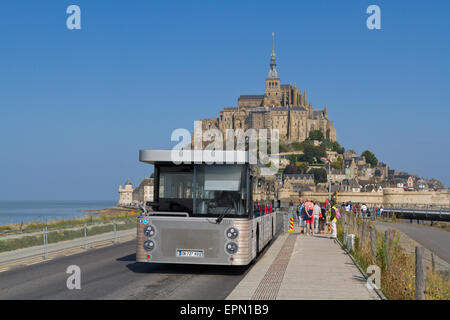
{"points": [[420, 274], [373, 241], [388, 247], [46, 242], [44, 236], [344, 240], [115, 232], [85, 237], [363, 234], [433, 263]]}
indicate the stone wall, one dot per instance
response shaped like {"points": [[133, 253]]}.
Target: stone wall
{"points": [[387, 196]]}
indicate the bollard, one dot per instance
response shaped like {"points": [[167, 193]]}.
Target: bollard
{"points": [[291, 225], [373, 240], [420, 274]]}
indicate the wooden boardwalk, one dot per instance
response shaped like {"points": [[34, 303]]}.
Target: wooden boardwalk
{"points": [[298, 267]]}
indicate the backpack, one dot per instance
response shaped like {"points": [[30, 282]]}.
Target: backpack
{"points": [[338, 214]]}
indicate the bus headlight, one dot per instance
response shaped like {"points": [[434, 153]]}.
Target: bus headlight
{"points": [[149, 245], [231, 247], [232, 233], [149, 231]]}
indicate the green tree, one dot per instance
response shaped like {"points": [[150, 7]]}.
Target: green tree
{"points": [[320, 174], [338, 163], [370, 157], [316, 135], [292, 159]]}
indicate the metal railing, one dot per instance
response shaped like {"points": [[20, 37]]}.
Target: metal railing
{"points": [[49, 239]]}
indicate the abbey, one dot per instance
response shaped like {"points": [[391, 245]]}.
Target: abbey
{"points": [[282, 107]]}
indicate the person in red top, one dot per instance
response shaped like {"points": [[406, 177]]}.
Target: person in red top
{"points": [[309, 208]]}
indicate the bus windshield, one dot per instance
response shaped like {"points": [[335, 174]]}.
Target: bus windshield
{"points": [[204, 189]]}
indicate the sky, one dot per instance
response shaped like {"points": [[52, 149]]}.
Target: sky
{"points": [[76, 106]]}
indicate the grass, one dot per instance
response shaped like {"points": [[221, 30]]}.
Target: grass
{"points": [[94, 217], [397, 267]]}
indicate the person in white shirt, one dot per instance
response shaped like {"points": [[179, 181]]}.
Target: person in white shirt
{"points": [[316, 215], [364, 211]]}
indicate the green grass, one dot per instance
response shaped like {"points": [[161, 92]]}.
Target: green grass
{"points": [[397, 271]]}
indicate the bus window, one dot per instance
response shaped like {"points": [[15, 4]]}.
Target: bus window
{"points": [[175, 188], [221, 189]]}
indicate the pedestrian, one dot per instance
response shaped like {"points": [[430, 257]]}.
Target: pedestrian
{"points": [[291, 209], [300, 209], [333, 219], [323, 219], [316, 217], [308, 215], [364, 211]]}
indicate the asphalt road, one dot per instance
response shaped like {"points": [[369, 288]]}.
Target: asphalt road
{"points": [[112, 273], [434, 239]]}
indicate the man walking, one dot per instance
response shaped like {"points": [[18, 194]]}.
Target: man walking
{"points": [[364, 211], [316, 215], [333, 219]]}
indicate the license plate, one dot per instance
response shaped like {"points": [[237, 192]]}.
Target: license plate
{"points": [[190, 253]]}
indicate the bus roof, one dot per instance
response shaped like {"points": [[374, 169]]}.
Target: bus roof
{"points": [[194, 156]]}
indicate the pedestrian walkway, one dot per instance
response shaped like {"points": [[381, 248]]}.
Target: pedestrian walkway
{"points": [[297, 267]]}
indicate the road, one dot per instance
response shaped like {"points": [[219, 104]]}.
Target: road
{"points": [[112, 273], [434, 239]]}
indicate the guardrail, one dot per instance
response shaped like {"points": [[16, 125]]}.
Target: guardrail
{"points": [[17, 245]]}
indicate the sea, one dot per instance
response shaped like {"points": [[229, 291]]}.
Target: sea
{"points": [[41, 211]]}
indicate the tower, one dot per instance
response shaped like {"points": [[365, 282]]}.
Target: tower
{"points": [[272, 95]]}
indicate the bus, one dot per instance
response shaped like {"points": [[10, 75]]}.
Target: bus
{"points": [[206, 211]]}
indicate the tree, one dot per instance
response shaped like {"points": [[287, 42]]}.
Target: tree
{"points": [[292, 159], [338, 163], [316, 135], [333, 145], [370, 158], [320, 175]]}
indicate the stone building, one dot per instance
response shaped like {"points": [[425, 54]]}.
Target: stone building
{"points": [[144, 192], [282, 106], [126, 194], [129, 195]]}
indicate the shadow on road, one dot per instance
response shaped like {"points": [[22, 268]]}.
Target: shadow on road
{"points": [[165, 268], [128, 258]]}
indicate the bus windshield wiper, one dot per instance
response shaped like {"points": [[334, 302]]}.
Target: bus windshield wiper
{"points": [[220, 218]]}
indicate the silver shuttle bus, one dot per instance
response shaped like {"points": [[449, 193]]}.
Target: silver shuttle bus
{"points": [[206, 213]]}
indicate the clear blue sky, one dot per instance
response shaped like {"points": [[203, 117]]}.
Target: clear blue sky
{"points": [[76, 106]]}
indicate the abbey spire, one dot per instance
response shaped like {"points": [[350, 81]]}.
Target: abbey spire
{"points": [[273, 74], [273, 96]]}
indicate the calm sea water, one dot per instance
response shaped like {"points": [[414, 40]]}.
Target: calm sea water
{"points": [[26, 211]]}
